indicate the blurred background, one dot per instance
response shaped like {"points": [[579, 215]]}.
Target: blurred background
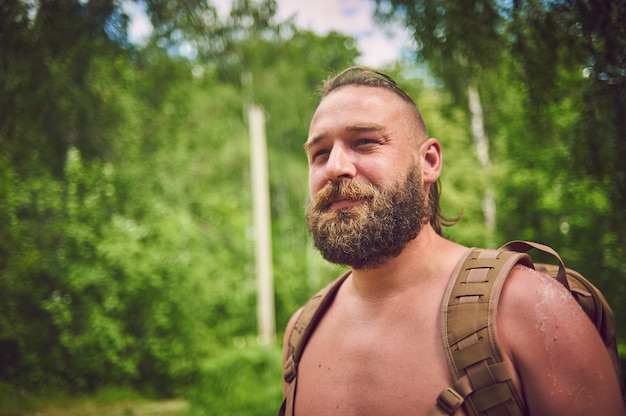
{"points": [[127, 232]]}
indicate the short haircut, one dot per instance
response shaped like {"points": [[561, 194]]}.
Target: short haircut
{"points": [[368, 77]]}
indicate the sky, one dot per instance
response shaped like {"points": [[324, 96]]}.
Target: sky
{"points": [[352, 17]]}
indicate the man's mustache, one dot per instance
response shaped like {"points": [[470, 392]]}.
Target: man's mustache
{"points": [[343, 189]]}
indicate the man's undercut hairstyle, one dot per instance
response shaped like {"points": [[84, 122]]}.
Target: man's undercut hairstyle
{"points": [[368, 77]]}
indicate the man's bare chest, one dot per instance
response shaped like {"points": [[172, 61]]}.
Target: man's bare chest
{"points": [[392, 365]]}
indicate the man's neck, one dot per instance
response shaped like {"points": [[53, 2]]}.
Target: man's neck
{"points": [[425, 261]]}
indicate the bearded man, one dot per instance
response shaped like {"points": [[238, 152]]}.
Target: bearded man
{"points": [[374, 206]]}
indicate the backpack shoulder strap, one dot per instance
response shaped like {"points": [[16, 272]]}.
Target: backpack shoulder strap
{"points": [[482, 382], [304, 326]]}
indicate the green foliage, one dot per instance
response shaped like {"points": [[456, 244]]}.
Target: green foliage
{"points": [[240, 380], [440, 28]]}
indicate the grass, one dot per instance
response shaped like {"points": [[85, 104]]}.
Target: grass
{"points": [[112, 401]]}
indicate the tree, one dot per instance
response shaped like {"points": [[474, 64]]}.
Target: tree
{"points": [[93, 276]]}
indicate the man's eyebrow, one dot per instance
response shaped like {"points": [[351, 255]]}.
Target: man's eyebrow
{"points": [[360, 127], [310, 143], [366, 127]]}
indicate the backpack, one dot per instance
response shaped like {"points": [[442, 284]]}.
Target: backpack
{"points": [[481, 381]]}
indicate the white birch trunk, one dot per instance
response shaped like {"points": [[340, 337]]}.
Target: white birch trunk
{"points": [[262, 224], [481, 144]]}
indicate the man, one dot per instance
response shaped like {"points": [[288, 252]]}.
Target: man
{"points": [[374, 206]]}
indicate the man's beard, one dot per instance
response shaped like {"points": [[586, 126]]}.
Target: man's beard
{"points": [[373, 230]]}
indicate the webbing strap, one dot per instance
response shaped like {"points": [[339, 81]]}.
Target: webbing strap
{"points": [[451, 398], [287, 408], [468, 329], [525, 246], [304, 326]]}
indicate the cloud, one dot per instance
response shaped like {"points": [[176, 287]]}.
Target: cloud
{"points": [[321, 16], [139, 27], [351, 17]]}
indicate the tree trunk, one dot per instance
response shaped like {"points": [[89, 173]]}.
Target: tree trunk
{"points": [[481, 144]]}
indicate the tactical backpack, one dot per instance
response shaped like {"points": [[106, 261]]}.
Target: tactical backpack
{"points": [[481, 381]]}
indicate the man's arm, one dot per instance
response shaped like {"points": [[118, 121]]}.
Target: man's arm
{"points": [[562, 363]]}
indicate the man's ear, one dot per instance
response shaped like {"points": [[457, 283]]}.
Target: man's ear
{"points": [[432, 160]]}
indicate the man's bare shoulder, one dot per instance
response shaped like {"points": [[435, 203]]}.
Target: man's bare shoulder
{"points": [[560, 359], [526, 287]]}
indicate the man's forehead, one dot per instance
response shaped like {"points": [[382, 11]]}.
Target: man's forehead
{"points": [[360, 105], [357, 105]]}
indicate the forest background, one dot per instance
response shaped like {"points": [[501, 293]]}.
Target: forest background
{"points": [[126, 226]]}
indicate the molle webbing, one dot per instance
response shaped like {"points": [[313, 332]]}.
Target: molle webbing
{"points": [[481, 379]]}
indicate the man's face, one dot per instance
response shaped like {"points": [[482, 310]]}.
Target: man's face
{"points": [[367, 193]]}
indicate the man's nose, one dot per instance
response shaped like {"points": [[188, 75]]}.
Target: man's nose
{"points": [[340, 164]]}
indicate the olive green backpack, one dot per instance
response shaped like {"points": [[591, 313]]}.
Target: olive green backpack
{"points": [[482, 383]]}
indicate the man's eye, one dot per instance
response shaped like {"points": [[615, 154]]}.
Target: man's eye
{"points": [[366, 142], [319, 153]]}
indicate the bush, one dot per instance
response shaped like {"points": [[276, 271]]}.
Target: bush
{"points": [[244, 380]]}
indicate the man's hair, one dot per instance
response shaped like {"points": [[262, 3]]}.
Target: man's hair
{"points": [[368, 77]]}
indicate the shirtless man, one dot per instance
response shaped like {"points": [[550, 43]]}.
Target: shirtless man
{"points": [[378, 350]]}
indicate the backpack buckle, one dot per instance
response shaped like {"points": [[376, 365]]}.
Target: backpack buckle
{"points": [[449, 400]]}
